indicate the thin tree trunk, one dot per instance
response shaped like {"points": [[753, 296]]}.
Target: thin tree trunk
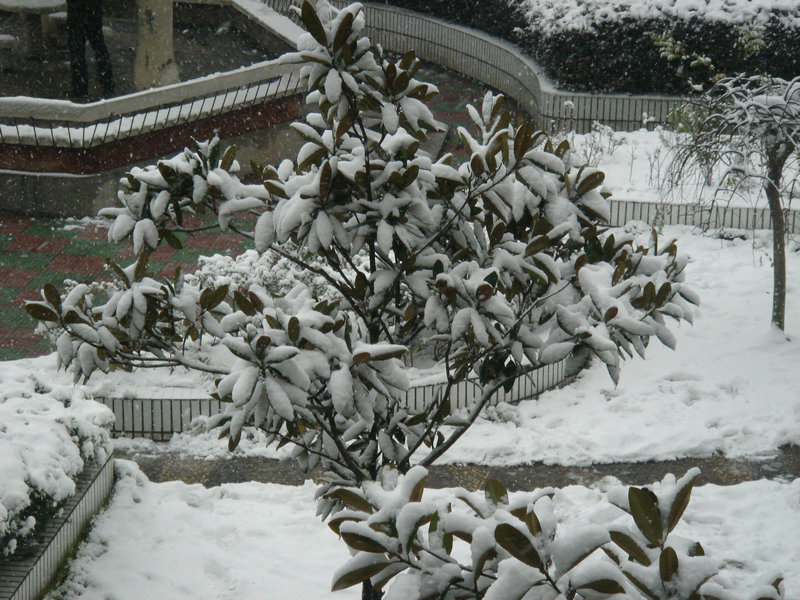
{"points": [[775, 160]]}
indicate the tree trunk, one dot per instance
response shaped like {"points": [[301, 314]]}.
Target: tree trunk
{"points": [[776, 158], [154, 64]]}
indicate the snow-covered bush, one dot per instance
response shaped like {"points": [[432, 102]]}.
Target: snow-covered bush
{"points": [[273, 272], [503, 262], [474, 546], [47, 437], [607, 45]]}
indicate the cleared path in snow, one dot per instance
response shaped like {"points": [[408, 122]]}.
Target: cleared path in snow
{"points": [[169, 466]]}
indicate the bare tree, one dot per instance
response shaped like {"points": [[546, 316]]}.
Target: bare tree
{"points": [[749, 128], [154, 64]]}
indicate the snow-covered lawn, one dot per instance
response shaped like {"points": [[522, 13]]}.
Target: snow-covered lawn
{"points": [[637, 165], [252, 541], [730, 386]]}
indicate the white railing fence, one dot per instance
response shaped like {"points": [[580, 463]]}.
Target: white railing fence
{"points": [[698, 215]]}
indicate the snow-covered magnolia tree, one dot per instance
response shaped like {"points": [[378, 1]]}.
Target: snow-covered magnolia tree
{"points": [[502, 263], [749, 127]]}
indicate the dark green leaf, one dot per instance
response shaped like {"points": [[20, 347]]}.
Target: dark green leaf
{"points": [[680, 503], [227, 158], [416, 493], [517, 544], [40, 311], [360, 542], [663, 293], [172, 240], [538, 244], [496, 492], [604, 586], [210, 297], [359, 575], [350, 499], [590, 182], [293, 329], [644, 510], [308, 15], [627, 544], [244, 304], [118, 271], [52, 296], [141, 267], [668, 564], [336, 522]]}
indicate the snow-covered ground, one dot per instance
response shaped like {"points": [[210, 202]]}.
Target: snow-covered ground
{"points": [[251, 541], [730, 386], [639, 164]]}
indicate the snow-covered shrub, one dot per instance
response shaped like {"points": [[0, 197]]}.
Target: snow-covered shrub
{"points": [[47, 437], [503, 262], [488, 546], [607, 45]]}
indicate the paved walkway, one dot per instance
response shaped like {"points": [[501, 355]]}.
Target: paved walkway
{"points": [[166, 466]]}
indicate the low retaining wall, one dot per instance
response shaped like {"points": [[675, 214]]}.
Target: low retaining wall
{"points": [[27, 574]]}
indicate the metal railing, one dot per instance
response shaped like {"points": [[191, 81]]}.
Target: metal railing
{"points": [[698, 215], [26, 574], [160, 414]]}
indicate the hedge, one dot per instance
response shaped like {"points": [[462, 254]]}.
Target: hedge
{"points": [[619, 55]]}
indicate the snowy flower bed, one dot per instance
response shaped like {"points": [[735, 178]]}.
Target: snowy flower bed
{"points": [[48, 434]]}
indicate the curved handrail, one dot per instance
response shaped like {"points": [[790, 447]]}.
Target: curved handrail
{"points": [[23, 107]]}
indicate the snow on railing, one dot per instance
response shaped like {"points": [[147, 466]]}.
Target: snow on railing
{"points": [[42, 122], [500, 65], [698, 215]]}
